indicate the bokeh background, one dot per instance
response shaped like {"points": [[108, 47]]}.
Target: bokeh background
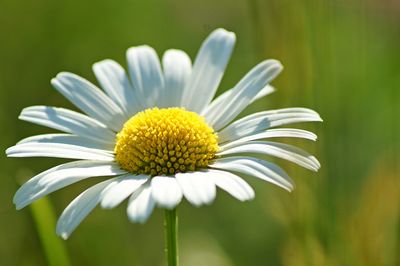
{"points": [[341, 58]]}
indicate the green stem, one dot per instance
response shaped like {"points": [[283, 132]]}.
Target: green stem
{"points": [[45, 222], [171, 237]]}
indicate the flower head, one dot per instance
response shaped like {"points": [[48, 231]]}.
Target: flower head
{"points": [[160, 135], [165, 142]]}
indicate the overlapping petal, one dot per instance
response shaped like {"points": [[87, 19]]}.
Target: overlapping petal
{"points": [[67, 121], [255, 167], [115, 82], [258, 122], [121, 189], [208, 69], [280, 150], [166, 191], [141, 204], [62, 176], [79, 208], [70, 140], [59, 150], [232, 184], [90, 99], [177, 69], [197, 187], [146, 75], [244, 93]]}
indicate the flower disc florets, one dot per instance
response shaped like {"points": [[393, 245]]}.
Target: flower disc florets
{"points": [[165, 142]]}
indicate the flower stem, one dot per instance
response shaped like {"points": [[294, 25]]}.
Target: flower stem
{"points": [[171, 237], [45, 220]]}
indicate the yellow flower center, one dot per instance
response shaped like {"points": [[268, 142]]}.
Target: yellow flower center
{"points": [[164, 142]]}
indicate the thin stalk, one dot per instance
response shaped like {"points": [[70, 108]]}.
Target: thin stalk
{"points": [[45, 222], [171, 237]]}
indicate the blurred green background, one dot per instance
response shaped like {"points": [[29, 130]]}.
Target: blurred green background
{"points": [[341, 58]]}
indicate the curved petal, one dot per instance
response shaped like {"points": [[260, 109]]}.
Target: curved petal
{"points": [[146, 75], [79, 208], [255, 167], [267, 90], [197, 187], [61, 176], [258, 122], [208, 69], [217, 105], [177, 67], [68, 139], [244, 92], [115, 82], [141, 204], [280, 150], [166, 191], [67, 121], [232, 184], [121, 189], [90, 99], [272, 133], [58, 150]]}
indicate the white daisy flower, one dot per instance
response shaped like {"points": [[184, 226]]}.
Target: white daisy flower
{"points": [[160, 135]]}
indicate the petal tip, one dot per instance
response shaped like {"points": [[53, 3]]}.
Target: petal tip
{"points": [[102, 62], [9, 151], [64, 236], [140, 48], [137, 219], [223, 31], [55, 81], [107, 205], [278, 65], [18, 206], [63, 74]]}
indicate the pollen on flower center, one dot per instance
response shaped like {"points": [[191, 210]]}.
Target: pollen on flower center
{"points": [[164, 142]]}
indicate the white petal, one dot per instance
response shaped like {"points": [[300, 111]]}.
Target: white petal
{"points": [[115, 82], [197, 187], [177, 68], [272, 133], [244, 92], [141, 204], [67, 121], [121, 189], [216, 106], [255, 167], [62, 176], [58, 151], [89, 99], [145, 72], [258, 122], [68, 139], [79, 208], [208, 69], [232, 184], [280, 150], [267, 90], [165, 191]]}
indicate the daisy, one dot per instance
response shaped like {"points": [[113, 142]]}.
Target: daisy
{"points": [[159, 134]]}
